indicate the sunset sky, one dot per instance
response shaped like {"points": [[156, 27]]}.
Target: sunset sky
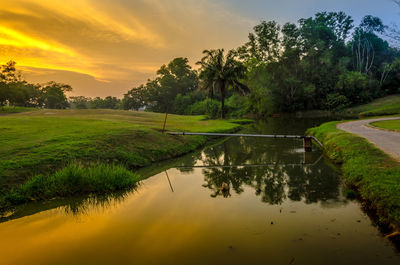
{"points": [[106, 47]]}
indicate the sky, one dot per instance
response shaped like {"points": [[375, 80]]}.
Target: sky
{"points": [[106, 47]]}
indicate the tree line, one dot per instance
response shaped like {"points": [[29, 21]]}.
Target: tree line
{"points": [[324, 62], [17, 92]]}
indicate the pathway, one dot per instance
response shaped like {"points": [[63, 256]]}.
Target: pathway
{"points": [[387, 141]]}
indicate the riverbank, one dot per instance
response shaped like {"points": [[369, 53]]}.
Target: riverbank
{"points": [[39, 145], [369, 170]]}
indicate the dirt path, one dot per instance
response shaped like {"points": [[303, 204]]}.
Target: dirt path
{"points": [[387, 141]]}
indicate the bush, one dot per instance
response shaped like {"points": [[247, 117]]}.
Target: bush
{"points": [[211, 108], [357, 87], [337, 102], [181, 103], [236, 106]]}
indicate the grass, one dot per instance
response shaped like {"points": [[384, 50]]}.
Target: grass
{"points": [[372, 172], [393, 125], [389, 105], [9, 110], [148, 119], [73, 180], [45, 141]]}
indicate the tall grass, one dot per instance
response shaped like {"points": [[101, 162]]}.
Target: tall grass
{"points": [[73, 180]]}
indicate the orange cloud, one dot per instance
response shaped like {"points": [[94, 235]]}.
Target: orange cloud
{"points": [[14, 38], [112, 41]]}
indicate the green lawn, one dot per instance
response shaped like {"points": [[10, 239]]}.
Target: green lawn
{"points": [[41, 142], [389, 105], [393, 125], [372, 172]]}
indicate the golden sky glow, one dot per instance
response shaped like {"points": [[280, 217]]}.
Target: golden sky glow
{"points": [[105, 47]]}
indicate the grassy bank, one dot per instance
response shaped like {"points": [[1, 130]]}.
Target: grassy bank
{"points": [[72, 180], [393, 125], [389, 105], [45, 141], [372, 172]]}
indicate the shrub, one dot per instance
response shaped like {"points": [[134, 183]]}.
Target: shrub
{"points": [[210, 107]]}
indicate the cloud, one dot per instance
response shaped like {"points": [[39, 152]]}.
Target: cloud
{"points": [[114, 41], [83, 84]]}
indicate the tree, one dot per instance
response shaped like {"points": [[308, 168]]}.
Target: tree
{"points": [[15, 90], [260, 100], [4, 93], [371, 24], [354, 86], [393, 32], [111, 102], [80, 102], [367, 47], [326, 29], [134, 98], [175, 78], [53, 95], [108, 102], [23, 94], [264, 43], [219, 72], [322, 42], [9, 74], [297, 64]]}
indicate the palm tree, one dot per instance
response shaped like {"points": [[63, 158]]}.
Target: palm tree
{"points": [[219, 72]]}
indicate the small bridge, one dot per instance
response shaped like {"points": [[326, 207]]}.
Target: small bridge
{"points": [[307, 140]]}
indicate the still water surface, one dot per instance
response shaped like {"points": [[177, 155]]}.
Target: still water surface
{"points": [[283, 206]]}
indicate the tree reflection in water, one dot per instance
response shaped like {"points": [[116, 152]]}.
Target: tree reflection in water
{"points": [[284, 178]]}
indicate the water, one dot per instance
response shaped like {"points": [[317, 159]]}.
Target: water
{"points": [[283, 206]]}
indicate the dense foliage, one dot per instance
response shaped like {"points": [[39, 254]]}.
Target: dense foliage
{"points": [[323, 62], [173, 90]]}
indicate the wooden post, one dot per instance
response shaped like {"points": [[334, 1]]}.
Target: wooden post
{"points": [[308, 158], [165, 121], [308, 144]]}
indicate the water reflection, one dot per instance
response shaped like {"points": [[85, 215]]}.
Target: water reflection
{"points": [[87, 204], [234, 163], [274, 183], [76, 206]]}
